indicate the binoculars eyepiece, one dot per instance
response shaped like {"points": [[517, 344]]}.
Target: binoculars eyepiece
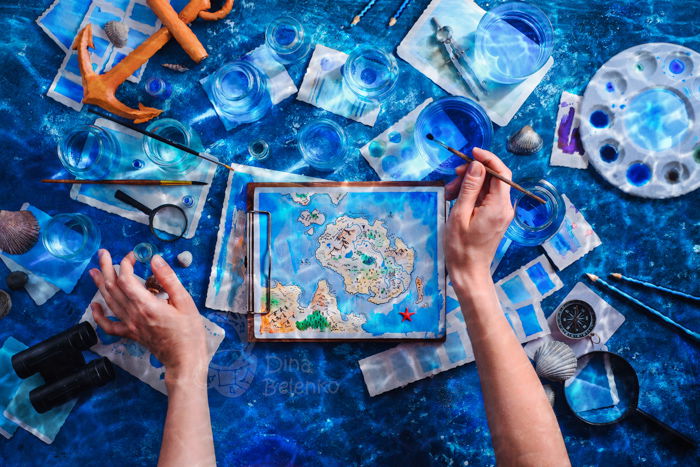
{"points": [[60, 362]]}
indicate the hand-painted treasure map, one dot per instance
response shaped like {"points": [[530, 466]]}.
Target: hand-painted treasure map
{"points": [[348, 261]]}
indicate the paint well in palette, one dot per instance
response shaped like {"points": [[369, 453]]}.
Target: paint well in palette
{"points": [[540, 278], [515, 290], [638, 174], [657, 119], [676, 66], [528, 319], [600, 119], [608, 153]]}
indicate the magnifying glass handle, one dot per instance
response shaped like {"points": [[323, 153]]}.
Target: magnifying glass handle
{"points": [[661, 424], [121, 196]]}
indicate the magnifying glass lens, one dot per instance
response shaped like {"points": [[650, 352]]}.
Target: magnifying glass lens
{"points": [[603, 390], [169, 222]]}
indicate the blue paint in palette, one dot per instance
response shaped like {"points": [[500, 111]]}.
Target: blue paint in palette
{"points": [[600, 119], [638, 174], [676, 66], [529, 321], [540, 278], [428, 357], [455, 348], [515, 290], [608, 153], [657, 119]]}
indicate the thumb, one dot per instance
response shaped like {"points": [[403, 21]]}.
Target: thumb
{"points": [[471, 187]]}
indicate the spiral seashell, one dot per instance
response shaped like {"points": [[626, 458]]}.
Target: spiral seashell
{"points": [[555, 361], [525, 141], [117, 32], [19, 231], [175, 67]]}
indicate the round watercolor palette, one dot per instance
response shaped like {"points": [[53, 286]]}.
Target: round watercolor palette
{"points": [[639, 120]]}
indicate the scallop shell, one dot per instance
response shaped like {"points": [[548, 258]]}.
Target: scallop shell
{"points": [[549, 392], [19, 231], [5, 303], [525, 141], [117, 32], [555, 361]]}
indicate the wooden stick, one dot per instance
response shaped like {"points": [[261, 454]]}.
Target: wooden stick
{"points": [[131, 126], [678, 293], [692, 334], [127, 182], [490, 171]]}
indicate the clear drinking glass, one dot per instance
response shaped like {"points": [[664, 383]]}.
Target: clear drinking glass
{"points": [[534, 222], [168, 158], [323, 144], [89, 152], [369, 74], [513, 41], [71, 237], [286, 38], [458, 122], [241, 91]]}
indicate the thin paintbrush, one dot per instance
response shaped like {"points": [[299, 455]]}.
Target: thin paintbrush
{"points": [[490, 171], [692, 334], [128, 182], [678, 293], [160, 138]]}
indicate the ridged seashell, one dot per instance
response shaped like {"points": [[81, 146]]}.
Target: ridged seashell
{"points": [[525, 141], [550, 393], [117, 32], [175, 67], [5, 303], [185, 259], [555, 361], [19, 231]]}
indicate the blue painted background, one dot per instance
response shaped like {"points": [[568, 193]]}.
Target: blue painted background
{"points": [[439, 421]]}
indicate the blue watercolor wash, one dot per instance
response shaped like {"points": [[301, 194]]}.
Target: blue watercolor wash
{"points": [[565, 241], [510, 321], [454, 348], [428, 357], [639, 174], [600, 119], [451, 305], [143, 14], [155, 363], [610, 87], [608, 153], [532, 213], [528, 319], [395, 137], [69, 89], [402, 367], [105, 338], [515, 290], [541, 279], [657, 119]]}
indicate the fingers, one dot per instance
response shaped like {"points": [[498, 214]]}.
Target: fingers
{"points": [[470, 189], [490, 160], [115, 328], [113, 297], [128, 283], [452, 188], [165, 275]]}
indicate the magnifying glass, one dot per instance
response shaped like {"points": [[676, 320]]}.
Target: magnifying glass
{"points": [[168, 222], [605, 390]]}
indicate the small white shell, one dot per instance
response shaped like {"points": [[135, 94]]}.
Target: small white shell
{"points": [[550, 393], [19, 231], [185, 259], [117, 32], [555, 361], [525, 141]]}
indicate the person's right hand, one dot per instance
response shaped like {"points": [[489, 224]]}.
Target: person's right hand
{"points": [[478, 218], [173, 331]]}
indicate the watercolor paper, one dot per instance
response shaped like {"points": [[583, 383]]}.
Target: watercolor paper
{"points": [[38, 289], [228, 279], [280, 83], [594, 384], [9, 382], [608, 321], [373, 252], [323, 87], [531, 283], [421, 50], [394, 155], [567, 149], [102, 196], [574, 239], [135, 358]]}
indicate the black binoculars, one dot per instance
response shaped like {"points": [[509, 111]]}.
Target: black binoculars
{"points": [[59, 360]]}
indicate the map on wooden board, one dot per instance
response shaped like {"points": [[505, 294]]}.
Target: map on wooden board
{"points": [[349, 261]]}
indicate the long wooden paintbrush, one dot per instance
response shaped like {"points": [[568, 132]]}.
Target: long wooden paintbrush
{"points": [[127, 182], [488, 170], [161, 139]]}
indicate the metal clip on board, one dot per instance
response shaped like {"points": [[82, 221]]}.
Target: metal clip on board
{"points": [[250, 248]]}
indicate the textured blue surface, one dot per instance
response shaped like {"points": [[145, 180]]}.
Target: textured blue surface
{"points": [[330, 419]]}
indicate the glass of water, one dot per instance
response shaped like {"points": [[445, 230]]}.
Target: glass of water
{"points": [[369, 74]]}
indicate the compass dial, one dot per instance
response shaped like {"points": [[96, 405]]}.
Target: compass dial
{"points": [[576, 319]]}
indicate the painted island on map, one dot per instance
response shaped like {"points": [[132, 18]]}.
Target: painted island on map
{"points": [[350, 262]]}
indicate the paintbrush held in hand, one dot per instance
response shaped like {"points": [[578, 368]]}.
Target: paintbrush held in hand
{"points": [[488, 170]]}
